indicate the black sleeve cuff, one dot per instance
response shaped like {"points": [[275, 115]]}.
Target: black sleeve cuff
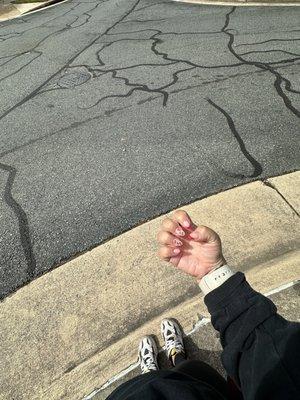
{"points": [[220, 297]]}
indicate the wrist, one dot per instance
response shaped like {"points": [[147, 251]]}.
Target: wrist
{"points": [[211, 268], [215, 278]]}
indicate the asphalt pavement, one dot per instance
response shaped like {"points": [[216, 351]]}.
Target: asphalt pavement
{"points": [[113, 112]]}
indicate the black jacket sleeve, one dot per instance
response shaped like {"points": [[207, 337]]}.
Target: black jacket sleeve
{"points": [[261, 350]]}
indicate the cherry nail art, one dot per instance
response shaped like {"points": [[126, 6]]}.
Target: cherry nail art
{"points": [[179, 232], [177, 242]]}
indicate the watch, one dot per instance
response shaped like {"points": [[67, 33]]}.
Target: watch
{"points": [[215, 278]]}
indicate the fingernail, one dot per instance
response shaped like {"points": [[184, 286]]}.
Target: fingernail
{"points": [[177, 242], [186, 223], [176, 251], [179, 232]]}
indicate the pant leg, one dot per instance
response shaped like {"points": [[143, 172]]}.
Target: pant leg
{"points": [[179, 358], [203, 372]]}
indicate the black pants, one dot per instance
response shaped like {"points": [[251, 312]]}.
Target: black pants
{"points": [[201, 371]]}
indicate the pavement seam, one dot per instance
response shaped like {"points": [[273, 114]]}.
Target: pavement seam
{"points": [[197, 326], [272, 186]]}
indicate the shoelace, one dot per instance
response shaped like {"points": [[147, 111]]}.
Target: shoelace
{"points": [[148, 361], [171, 343]]}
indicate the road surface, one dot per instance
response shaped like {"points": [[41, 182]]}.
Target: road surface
{"points": [[113, 112]]}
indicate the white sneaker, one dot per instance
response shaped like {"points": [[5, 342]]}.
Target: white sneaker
{"points": [[148, 355], [172, 336]]}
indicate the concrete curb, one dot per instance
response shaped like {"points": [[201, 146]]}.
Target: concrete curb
{"points": [[11, 11], [66, 333], [192, 314], [202, 342], [244, 3]]}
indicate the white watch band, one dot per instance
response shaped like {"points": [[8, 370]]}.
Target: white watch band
{"points": [[215, 279]]}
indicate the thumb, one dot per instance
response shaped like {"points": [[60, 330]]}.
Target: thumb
{"points": [[204, 234]]}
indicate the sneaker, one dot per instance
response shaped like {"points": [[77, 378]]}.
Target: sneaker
{"points": [[148, 355], [172, 336]]}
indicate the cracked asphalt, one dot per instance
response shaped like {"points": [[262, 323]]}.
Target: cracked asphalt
{"points": [[115, 111]]}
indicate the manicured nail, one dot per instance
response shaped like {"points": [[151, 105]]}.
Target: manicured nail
{"points": [[179, 232], [177, 242], [176, 251], [186, 223]]}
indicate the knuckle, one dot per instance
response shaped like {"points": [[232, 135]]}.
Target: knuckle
{"points": [[159, 253], [164, 251], [162, 237], [166, 222], [180, 214], [158, 236]]}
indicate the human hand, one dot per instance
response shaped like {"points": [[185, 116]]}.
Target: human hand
{"points": [[196, 250]]}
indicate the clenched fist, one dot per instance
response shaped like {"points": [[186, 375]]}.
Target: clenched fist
{"points": [[196, 250]]}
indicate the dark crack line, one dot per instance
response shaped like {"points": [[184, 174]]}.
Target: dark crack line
{"points": [[131, 66], [266, 41], [136, 87], [152, 5], [227, 19], [35, 91], [257, 168], [127, 33], [33, 49], [42, 25], [175, 77], [106, 45], [165, 56], [175, 91], [225, 78], [89, 16], [278, 77], [164, 33], [22, 219], [45, 23], [143, 21], [269, 51], [2, 37], [144, 87], [269, 184], [38, 54], [98, 72], [190, 33], [286, 61], [73, 125], [10, 59]]}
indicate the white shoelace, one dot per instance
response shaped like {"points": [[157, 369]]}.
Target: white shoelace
{"points": [[171, 343], [148, 362]]}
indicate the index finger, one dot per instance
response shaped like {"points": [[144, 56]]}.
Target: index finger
{"points": [[183, 218]]}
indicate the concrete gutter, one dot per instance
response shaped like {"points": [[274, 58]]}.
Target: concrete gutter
{"points": [[203, 343], [11, 10], [71, 330], [245, 3]]}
